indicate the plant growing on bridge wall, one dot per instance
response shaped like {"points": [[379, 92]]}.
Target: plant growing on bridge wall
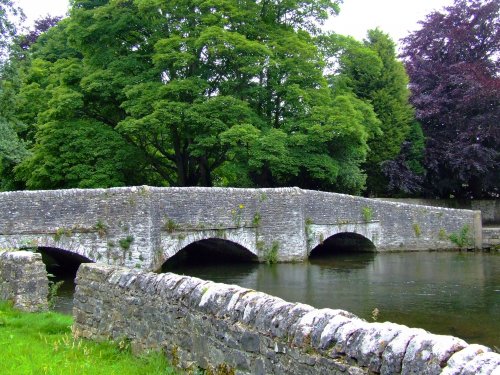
{"points": [[463, 238], [417, 229], [271, 255], [256, 219], [60, 232], [237, 213], [170, 225], [367, 213], [126, 242], [308, 230], [442, 234], [101, 228]]}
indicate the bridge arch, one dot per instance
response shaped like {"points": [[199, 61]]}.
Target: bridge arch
{"points": [[210, 250], [352, 234], [343, 242], [61, 262]]}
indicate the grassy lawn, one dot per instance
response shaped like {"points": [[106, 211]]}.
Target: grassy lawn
{"points": [[42, 343]]}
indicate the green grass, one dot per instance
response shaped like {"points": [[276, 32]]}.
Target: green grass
{"points": [[42, 343]]}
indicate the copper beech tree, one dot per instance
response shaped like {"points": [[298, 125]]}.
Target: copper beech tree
{"points": [[453, 64]]}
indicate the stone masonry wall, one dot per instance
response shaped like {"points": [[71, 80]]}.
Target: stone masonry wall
{"points": [[142, 227], [490, 208], [400, 225], [23, 280], [205, 324]]}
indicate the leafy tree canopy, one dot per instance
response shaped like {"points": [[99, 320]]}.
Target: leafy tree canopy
{"points": [[453, 63], [189, 93]]}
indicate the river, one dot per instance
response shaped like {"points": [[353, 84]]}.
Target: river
{"points": [[453, 293]]}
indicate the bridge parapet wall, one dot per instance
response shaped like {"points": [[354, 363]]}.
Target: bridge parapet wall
{"points": [[107, 225], [141, 227], [253, 218], [402, 226], [206, 324]]}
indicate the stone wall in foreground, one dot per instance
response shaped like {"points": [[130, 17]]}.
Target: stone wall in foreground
{"points": [[206, 324], [23, 280]]}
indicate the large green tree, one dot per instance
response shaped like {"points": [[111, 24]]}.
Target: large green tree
{"points": [[189, 92], [108, 101], [371, 71]]}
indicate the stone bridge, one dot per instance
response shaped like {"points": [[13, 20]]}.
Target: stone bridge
{"points": [[142, 227]]}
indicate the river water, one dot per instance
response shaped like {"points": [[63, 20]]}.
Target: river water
{"points": [[444, 292]]}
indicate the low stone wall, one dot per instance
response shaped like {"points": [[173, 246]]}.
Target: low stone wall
{"points": [[206, 324], [23, 280]]}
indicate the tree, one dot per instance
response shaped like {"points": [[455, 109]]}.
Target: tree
{"points": [[228, 93], [371, 71], [453, 63], [10, 16]]}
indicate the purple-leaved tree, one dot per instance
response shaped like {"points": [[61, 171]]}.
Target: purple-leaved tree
{"points": [[453, 62]]}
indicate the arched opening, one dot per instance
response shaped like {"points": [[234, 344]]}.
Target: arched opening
{"points": [[212, 253], [61, 263], [342, 243], [62, 266]]}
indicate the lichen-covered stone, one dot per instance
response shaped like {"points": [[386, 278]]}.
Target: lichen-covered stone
{"points": [[369, 343], [483, 364], [428, 354], [392, 358], [23, 280], [460, 359]]}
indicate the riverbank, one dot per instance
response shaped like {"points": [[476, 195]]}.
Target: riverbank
{"points": [[42, 343]]}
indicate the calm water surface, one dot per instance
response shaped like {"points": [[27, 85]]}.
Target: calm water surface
{"points": [[446, 293]]}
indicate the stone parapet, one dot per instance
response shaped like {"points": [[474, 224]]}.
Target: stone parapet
{"points": [[199, 323], [23, 280], [142, 227]]}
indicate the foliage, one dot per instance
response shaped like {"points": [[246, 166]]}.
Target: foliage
{"points": [[417, 229], [10, 17], [406, 173], [367, 213], [101, 228], [371, 72], [126, 242], [186, 93], [42, 343], [453, 63], [271, 254], [463, 238], [25, 41], [54, 286]]}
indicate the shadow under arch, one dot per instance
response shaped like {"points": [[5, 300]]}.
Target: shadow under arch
{"points": [[61, 263], [211, 251], [342, 243]]}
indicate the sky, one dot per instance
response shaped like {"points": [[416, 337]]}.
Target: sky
{"points": [[395, 17]]}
